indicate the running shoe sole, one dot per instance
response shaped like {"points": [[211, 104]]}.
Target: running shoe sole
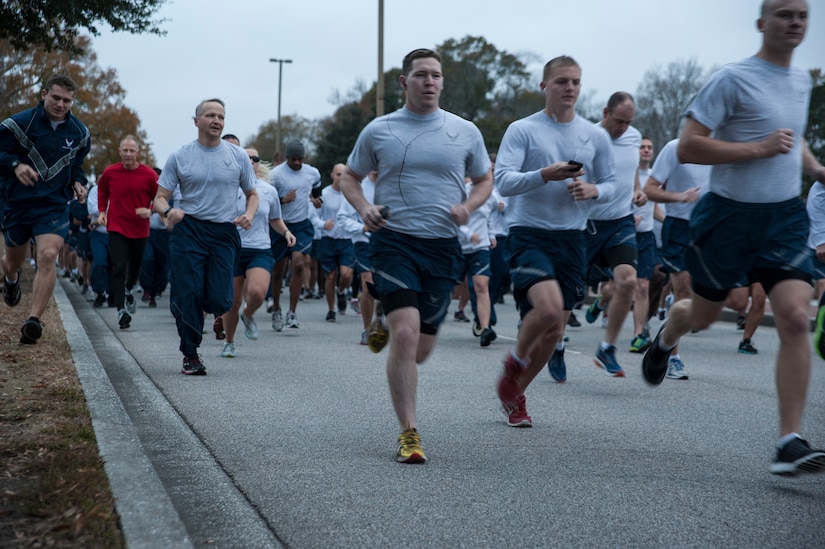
{"points": [[811, 463], [601, 365]]}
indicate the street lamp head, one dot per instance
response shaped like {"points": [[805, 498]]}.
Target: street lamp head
{"points": [[280, 60]]}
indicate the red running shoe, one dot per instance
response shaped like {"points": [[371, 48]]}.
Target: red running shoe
{"points": [[508, 388], [519, 417]]}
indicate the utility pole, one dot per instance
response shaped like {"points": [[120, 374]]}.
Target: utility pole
{"points": [[280, 77], [379, 86]]}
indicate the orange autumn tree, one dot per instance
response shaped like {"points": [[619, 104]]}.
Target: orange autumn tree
{"points": [[99, 100]]}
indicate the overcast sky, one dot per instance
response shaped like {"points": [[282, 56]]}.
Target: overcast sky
{"points": [[221, 48]]}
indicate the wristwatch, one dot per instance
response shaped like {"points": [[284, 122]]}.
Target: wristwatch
{"points": [[165, 212], [14, 164]]}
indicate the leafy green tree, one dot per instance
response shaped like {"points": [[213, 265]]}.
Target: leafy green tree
{"points": [[663, 96], [337, 133], [292, 127], [56, 24], [477, 76], [99, 99]]}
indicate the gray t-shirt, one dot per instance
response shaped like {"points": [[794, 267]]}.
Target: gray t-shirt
{"points": [[537, 141], [256, 237], [302, 181], [678, 178], [421, 161], [209, 178], [747, 101]]}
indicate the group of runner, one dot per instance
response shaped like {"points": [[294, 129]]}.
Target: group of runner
{"points": [[571, 188]]}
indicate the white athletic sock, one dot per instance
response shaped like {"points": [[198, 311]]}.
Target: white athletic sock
{"points": [[786, 439]]}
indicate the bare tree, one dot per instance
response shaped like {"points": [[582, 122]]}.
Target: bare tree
{"points": [[663, 96]]}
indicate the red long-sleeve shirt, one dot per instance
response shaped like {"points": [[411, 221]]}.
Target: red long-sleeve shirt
{"points": [[120, 191]]}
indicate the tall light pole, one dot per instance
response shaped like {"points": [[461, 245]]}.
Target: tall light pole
{"points": [[379, 85], [280, 75]]}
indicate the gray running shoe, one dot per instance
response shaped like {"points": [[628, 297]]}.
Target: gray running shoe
{"points": [[228, 350], [131, 306], [250, 327], [292, 320], [277, 321], [675, 369]]}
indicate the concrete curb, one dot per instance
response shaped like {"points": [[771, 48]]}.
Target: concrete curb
{"points": [[147, 517]]}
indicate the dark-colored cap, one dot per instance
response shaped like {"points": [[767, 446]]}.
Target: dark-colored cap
{"points": [[294, 149]]}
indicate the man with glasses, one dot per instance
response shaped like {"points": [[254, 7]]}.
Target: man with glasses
{"points": [[254, 266]]}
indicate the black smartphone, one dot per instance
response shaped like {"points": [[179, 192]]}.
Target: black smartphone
{"points": [[574, 166], [385, 212]]}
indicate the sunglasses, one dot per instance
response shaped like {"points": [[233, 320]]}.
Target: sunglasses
{"points": [[255, 158]]}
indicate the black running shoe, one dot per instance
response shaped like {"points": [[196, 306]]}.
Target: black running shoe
{"points": [[487, 336], [573, 322], [31, 331], [11, 291], [193, 366], [797, 457], [654, 363], [124, 319], [746, 347], [100, 299]]}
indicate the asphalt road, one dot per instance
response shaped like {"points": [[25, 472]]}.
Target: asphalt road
{"points": [[292, 442]]}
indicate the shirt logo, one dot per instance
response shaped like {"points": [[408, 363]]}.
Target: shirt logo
{"points": [[69, 143]]}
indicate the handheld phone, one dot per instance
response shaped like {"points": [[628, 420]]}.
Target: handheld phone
{"points": [[574, 166], [385, 212]]}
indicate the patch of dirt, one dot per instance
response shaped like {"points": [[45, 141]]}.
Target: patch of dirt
{"points": [[53, 489]]}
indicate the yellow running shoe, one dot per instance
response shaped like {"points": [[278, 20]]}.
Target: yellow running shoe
{"points": [[378, 336], [409, 448]]}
